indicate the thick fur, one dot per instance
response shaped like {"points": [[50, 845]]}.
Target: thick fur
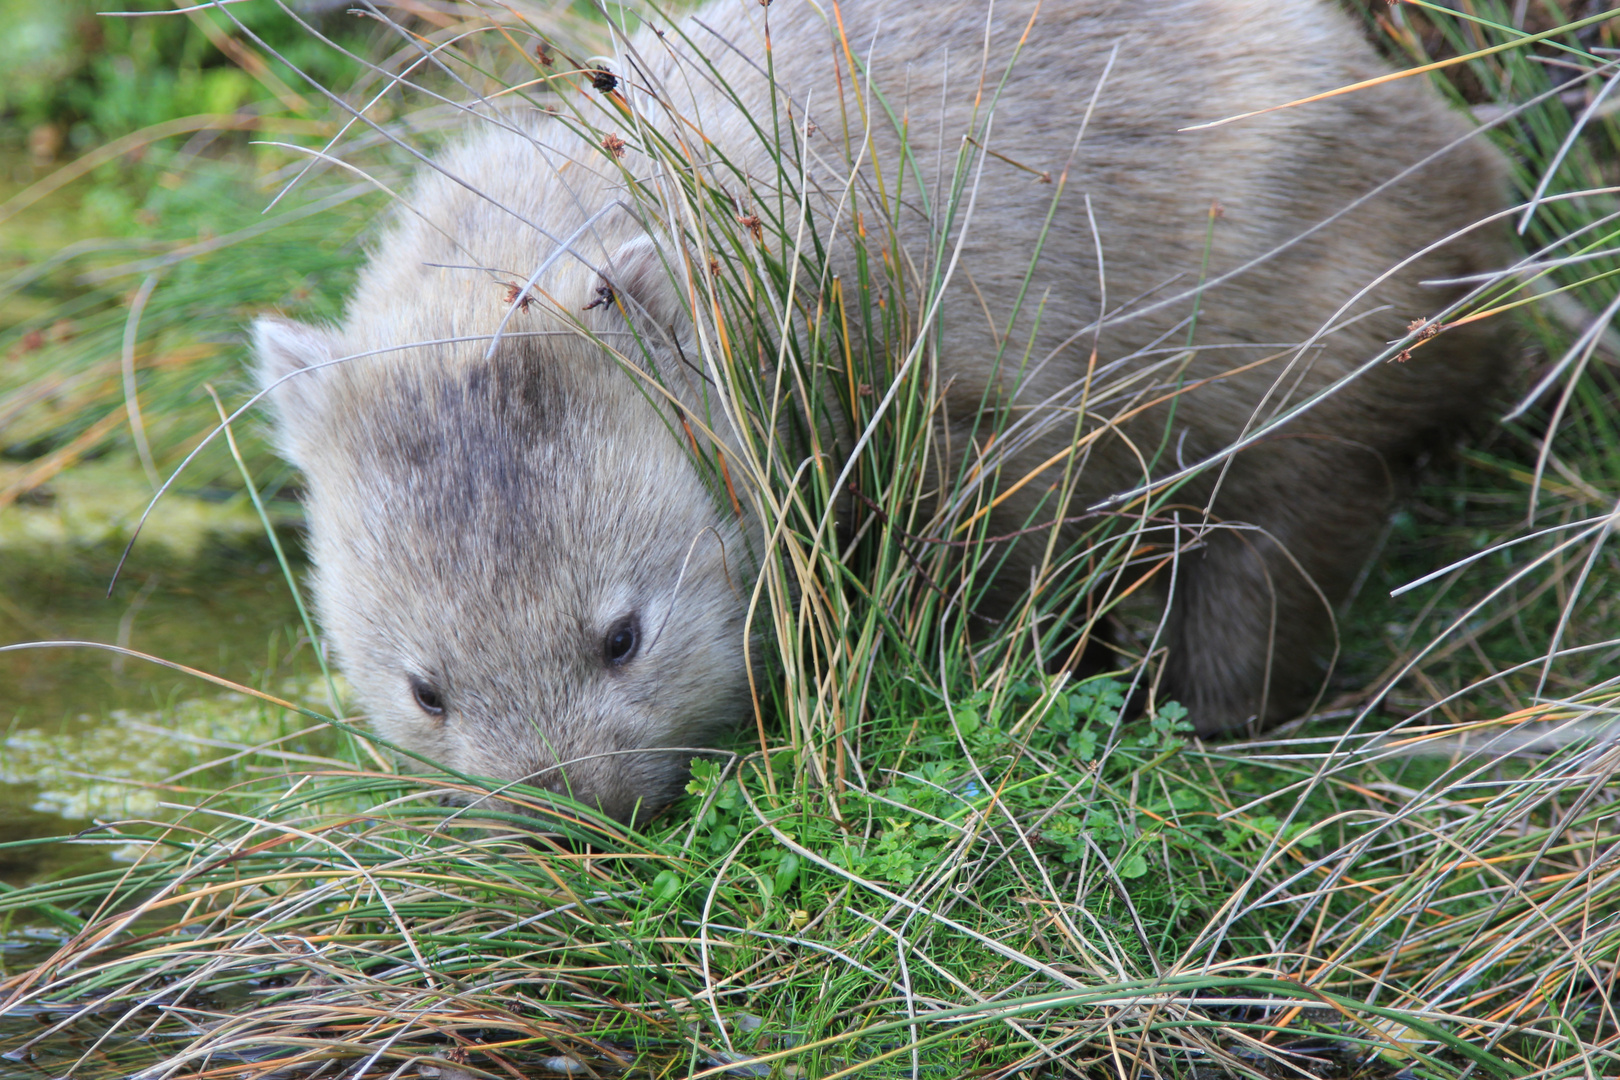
{"points": [[479, 525]]}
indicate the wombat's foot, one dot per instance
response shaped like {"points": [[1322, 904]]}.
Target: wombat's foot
{"points": [[1249, 623]]}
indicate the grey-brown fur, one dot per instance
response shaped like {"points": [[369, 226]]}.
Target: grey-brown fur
{"points": [[481, 525]]}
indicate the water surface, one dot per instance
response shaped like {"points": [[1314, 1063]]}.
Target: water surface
{"points": [[86, 734]]}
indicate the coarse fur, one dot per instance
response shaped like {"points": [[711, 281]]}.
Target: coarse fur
{"points": [[486, 523]]}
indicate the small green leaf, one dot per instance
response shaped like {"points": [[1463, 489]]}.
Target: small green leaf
{"points": [[1084, 745], [705, 772], [666, 886], [787, 871]]}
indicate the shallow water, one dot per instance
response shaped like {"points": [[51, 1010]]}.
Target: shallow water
{"points": [[85, 734]]}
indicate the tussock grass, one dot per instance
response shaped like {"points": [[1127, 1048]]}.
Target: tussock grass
{"points": [[932, 857]]}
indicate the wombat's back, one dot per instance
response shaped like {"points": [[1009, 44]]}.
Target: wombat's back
{"points": [[1238, 270]]}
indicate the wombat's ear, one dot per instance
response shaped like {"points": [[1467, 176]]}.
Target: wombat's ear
{"points": [[643, 277], [287, 359]]}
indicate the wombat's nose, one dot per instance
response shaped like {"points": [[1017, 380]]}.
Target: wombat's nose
{"points": [[579, 784]]}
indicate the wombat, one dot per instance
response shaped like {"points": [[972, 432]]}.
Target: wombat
{"points": [[521, 570]]}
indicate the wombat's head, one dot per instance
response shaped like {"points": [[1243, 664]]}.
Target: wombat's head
{"points": [[522, 571]]}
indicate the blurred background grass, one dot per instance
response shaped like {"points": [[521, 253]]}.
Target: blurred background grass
{"points": [[128, 146]]}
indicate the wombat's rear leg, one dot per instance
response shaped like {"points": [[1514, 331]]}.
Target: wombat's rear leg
{"points": [[1251, 618]]}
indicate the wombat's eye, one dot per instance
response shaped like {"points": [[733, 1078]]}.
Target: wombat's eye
{"points": [[428, 698], [621, 641]]}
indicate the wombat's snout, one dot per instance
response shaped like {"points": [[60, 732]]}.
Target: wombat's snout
{"points": [[630, 792]]}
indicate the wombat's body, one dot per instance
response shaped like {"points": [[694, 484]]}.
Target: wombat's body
{"points": [[520, 566]]}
